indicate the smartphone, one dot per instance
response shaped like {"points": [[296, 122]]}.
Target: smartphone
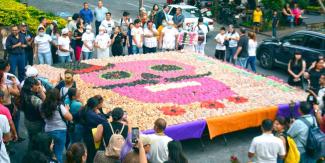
{"points": [[9, 77], [135, 134]]}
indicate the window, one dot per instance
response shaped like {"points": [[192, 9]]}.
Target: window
{"points": [[192, 13], [313, 42], [295, 40], [172, 11]]}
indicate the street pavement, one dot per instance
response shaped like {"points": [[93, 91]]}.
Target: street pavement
{"points": [[202, 150]]}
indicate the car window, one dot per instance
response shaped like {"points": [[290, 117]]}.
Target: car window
{"points": [[313, 42], [192, 13], [172, 11], [295, 40]]}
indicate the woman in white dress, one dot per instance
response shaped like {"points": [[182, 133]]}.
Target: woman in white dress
{"points": [[102, 43], [168, 38]]}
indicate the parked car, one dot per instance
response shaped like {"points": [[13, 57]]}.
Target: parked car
{"points": [[278, 52], [191, 14]]}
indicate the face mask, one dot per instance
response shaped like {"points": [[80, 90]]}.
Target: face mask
{"points": [[101, 32], [88, 31], [41, 34], [169, 27]]}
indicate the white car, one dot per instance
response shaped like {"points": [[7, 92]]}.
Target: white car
{"points": [[191, 15]]}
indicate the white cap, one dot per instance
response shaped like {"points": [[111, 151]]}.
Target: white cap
{"points": [[65, 31], [31, 71]]}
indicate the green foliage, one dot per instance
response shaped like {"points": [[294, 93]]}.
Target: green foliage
{"points": [[12, 12], [303, 3], [313, 8]]}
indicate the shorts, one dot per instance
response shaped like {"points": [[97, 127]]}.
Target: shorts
{"points": [[257, 24]]}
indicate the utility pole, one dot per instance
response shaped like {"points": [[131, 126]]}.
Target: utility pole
{"points": [[140, 4]]}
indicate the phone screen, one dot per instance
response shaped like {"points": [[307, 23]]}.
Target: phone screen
{"points": [[135, 134], [9, 77]]}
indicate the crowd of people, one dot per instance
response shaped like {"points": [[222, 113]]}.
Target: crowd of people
{"points": [[63, 129]]}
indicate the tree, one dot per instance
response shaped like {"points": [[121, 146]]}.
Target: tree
{"points": [[321, 5]]}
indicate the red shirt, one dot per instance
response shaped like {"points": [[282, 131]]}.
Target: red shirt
{"points": [[5, 111]]}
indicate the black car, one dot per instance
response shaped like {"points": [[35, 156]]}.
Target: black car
{"points": [[278, 52]]}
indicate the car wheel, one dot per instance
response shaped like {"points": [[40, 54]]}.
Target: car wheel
{"points": [[266, 59]]}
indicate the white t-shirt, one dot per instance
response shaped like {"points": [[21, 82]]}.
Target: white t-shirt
{"points": [[233, 43], [159, 149], [252, 45], [4, 129], [267, 148], [150, 42], [89, 39], [137, 34], [65, 43], [220, 38], [43, 43], [169, 40], [108, 25], [205, 30]]}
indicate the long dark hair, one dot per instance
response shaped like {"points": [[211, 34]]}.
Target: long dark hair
{"points": [[51, 103], [72, 92], [285, 122], [75, 152], [91, 104], [294, 60], [175, 151], [42, 142]]}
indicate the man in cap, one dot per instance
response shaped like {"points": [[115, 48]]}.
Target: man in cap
{"points": [[16, 44], [33, 72], [29, 39]]}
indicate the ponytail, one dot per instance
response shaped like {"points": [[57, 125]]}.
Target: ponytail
{"points": [[75, 153]]}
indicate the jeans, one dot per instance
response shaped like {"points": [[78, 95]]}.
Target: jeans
{"points": [[77, 134], [242, 61], [274, 31], [199, 48], [230, 54], [130, 50], [290, 20], [97, 24], [59, 137], [29, 56], [149, 50], [17, 60], [87, 55], [135, 49], [64, 59], [252, 62], [33, 128], [45, 58], [304, 158]]}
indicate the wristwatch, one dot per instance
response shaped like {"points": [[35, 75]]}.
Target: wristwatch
{"points": [[316, 110]]}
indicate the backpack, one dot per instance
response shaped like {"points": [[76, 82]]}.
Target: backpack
{"points": [[201, 35], [315, 145], [116, 143], [293, 154]]}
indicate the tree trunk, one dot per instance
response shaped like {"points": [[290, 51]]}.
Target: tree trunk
{"points": [[321, 5]]}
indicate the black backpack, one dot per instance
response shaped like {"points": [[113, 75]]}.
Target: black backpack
{"points": [[315, 145]]}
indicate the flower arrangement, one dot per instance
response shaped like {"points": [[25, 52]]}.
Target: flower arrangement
{"points": [[176, 86]]}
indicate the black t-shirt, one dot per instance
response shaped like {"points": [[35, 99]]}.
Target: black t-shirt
{"points": [[243, 42], [77, 33], [314, 77], [117, 126]]}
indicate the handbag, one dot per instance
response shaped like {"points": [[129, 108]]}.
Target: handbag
{"points": [[70, 124]]}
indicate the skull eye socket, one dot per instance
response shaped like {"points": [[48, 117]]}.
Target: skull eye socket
{"points": [[116, 75], [164, 67]]}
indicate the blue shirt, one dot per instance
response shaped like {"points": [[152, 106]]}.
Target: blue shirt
{"points": [[93, 119], [75, 105], [100, 13], [86, 15], [12, 40]]}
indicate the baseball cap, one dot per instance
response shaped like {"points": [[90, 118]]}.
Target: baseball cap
{"points": [[65, 31]]}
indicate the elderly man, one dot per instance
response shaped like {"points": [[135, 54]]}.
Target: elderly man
{"points": [[179, 18], [100, 14]]}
